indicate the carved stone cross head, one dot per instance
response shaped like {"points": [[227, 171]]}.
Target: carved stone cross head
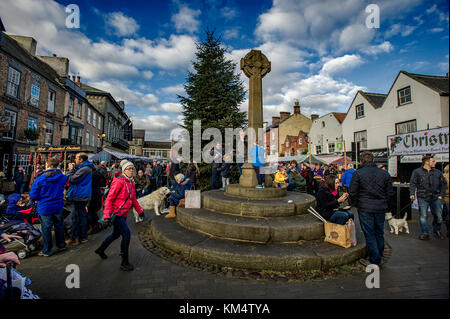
{"points": [[255, 64]]}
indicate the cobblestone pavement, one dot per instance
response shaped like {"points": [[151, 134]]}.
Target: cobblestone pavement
{"points": [[416, 269]]}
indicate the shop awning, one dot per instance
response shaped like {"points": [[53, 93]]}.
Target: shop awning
{"points": [[299, 159], [107, 155]]}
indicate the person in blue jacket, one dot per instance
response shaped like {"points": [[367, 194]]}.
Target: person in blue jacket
{"points": [[80, 192], [257, 155], [182, 185], [48, 191], [347, 176]]}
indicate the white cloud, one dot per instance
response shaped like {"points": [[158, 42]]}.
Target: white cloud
{"points": [[231, 34], [432, 9], [384, 47], [157, 127], [122, 25], [228, 13], [186, 19], [121, 92], [403, 30], [346, 62], [171, 107], [173, 90], [147, 74], [436, 30], [356, 36]]}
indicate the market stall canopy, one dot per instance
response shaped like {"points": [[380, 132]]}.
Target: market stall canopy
{"points": [[299, 158], [107, 155]]}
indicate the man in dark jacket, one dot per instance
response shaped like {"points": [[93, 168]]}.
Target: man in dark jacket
{"points": [[142, 183], [174, 169], [308, 176], [80, 192], [48, 191], [217, 153], [430, 185], [157, 171], [370, 190], [19, 180]]}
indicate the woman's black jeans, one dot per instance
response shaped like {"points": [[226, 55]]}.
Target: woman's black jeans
{"points": [[120, 228]]}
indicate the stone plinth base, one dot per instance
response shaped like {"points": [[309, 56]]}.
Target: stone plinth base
{"points": [[255, 193]]}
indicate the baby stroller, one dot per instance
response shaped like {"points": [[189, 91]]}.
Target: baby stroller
{"points": [[25, 213], [30, 237]]}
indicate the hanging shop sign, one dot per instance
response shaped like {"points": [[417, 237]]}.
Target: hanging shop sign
{"points": [[5, 123], [421, 142], [58, 149]]}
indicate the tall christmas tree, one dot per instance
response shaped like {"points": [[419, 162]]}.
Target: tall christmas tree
{"points": [[214, 91]]}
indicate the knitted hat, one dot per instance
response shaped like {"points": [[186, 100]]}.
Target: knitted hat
{"points": [[125, 165], [179, 178], [123, 162]]}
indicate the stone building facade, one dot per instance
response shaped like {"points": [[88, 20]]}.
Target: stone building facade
{"points": [[137, 143], [31, 102], [117, 125]]}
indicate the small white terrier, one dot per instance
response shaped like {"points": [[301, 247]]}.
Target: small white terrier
{"points": [[396, 225]]}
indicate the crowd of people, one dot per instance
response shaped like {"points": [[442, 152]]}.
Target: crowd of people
{"points": [[369, 189]]}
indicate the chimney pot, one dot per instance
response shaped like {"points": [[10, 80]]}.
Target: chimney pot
{"points": [[284, 115], [314, 116]]}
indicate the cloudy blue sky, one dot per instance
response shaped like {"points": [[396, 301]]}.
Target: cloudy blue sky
{"points": [[321, 51]]}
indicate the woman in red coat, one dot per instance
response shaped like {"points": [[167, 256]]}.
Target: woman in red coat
{"points": [[121, 198]]}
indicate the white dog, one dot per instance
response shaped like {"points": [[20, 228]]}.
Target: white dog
{"points": [[396, 225], [152, 201]]}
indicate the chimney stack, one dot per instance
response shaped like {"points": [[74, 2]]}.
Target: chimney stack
{"points": [[296, 107], [78, 80], [284, 115], [314, 116], [275, 119]]}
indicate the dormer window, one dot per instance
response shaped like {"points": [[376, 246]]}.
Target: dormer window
{"points": [[404, 96]]}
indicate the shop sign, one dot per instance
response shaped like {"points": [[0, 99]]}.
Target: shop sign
{"points": [[421, 142], [57, 148], [5, 123], [440, 158]]}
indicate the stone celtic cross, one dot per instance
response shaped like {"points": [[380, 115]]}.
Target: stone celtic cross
{"points": [[255, 66]]}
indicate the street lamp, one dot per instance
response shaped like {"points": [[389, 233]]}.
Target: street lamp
{"points": [[101, 136]]}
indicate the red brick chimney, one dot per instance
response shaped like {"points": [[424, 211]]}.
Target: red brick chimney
{"points": [[284, 115], [296, 107], [78, 81], [275, 119]]}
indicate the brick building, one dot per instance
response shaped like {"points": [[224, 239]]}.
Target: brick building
{"points": [[295, 144], [285, 125], [31, 102], [137, 143]]}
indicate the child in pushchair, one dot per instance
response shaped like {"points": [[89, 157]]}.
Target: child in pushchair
{"points": [[21, 210], [29, 234]]}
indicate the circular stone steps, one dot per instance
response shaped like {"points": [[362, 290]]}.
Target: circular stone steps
{"points": [[197, 247], [218, 201], [258, 230], [255, 193]]}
